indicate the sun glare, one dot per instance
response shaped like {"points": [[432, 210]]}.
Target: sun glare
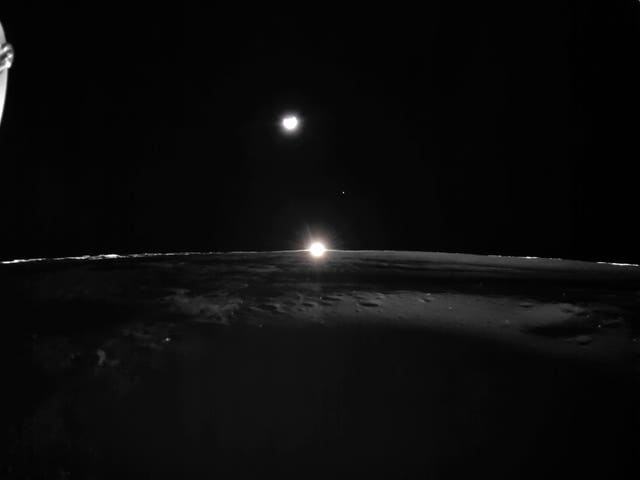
{"points": [[317, 249]]}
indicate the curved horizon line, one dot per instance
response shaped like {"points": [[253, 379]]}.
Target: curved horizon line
{"points": [[115, 256]]}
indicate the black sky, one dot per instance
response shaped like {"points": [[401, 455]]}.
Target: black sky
{"points": [[473, 127]]}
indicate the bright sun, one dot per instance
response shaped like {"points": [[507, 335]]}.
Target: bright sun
{"points": [[317, 249]]}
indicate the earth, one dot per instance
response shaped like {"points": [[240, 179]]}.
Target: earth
{"points": [[367, 363]]}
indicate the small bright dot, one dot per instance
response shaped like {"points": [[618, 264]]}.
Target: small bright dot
{"points": [[317, 249], [290, 123]]}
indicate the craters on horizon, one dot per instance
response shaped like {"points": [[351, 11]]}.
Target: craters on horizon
{"points": [[369, 303], [273, 308], [369, 299], [217, 307], [574, 323], [263, 303], [426, 298], [331, 299]]}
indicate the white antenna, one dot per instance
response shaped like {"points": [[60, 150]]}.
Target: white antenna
{"points": [[6, 60]]}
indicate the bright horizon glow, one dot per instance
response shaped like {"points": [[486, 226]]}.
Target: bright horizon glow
{"points": [[317, 249], [115, 256], [290, 123]]}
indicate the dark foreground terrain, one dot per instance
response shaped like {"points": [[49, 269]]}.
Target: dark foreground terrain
{"points": [[360, 365]]}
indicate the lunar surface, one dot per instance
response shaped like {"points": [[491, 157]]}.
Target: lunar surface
{"points": [[353, 364]]}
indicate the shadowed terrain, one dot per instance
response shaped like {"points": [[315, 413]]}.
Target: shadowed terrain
{"points": [[384, 364]]}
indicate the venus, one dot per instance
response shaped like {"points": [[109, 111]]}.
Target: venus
{"points": [[290, 123]]}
